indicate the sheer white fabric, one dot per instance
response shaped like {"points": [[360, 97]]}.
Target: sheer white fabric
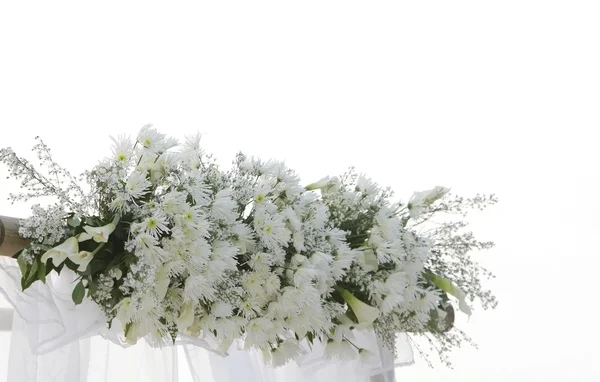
{"points": [[53, 340]]}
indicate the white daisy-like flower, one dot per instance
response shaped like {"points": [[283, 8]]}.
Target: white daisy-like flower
{"points": [[250, 309], [366, 185], [243, 237], [226, 253], [271, 230], [272, 284], [155, 225], [122, 150], [223, 207], [198, 287], [174, 203], [221, 309], [257, 332], [153, 141], [260, 261], [137, 185], [253, 283], [390, 302], [285, 352]]}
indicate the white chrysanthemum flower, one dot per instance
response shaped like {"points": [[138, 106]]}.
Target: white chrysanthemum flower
{"points": [[125, 310], [261, 193], [162, 281], [390, 302], [285, 352], [272, 284], [226, 253], [174, 203], [271, 230], [253, 283], [298, 241], [293, 219], [122, 150], [250, 309], [200, 254], [366, 185], [153, 141], [261, 261], [299, 324], [192, 152], [321, 260], [396, 282], [412, 293], [198, 287], [257, 332], [223, 207], [143, 240], [304, 275], [137, 185], [221, 309], [229, 327], [292, 298], [192, 219], [155, 225], [341, 263], [243, 237], [317, 317], [340, 351], [120, 203]]}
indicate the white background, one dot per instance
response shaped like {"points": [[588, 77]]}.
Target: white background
{"points": [[479, 96]]}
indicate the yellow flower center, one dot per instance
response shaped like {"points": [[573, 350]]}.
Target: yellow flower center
{"points": [[152, 224]]}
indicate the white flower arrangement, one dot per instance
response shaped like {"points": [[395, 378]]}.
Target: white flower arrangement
{"points": [[168, 244]]}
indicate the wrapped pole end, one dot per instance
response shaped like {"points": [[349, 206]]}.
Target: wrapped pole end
{"points": [[10, 241]]}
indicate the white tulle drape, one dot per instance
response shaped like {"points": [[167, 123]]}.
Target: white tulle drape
{"points": [[52, 340]]}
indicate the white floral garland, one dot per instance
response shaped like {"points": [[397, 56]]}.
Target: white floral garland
{"points": [[167, 243]]}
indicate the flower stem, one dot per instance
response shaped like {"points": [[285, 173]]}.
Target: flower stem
{"points": [[98, 248]]}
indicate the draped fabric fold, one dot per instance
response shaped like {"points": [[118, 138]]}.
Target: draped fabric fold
{"points": [[54, 340]]}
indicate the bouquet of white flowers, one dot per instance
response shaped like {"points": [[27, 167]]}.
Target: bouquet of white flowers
{"points": [[166, 244]]}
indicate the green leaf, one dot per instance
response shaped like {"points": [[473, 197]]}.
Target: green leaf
{"points": [[92, 286], [73, 222], [41, 272], [78, 293], [22, 265], [30, 277]]}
